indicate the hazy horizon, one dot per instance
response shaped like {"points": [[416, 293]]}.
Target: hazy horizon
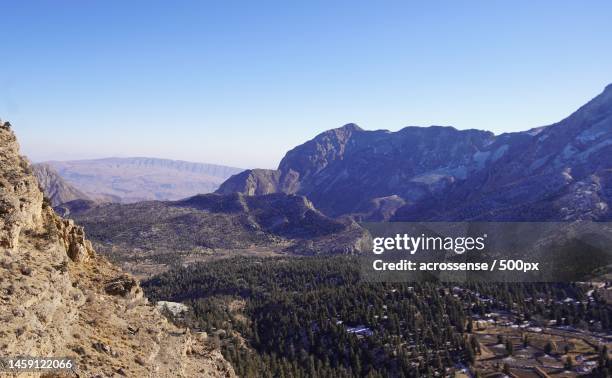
{"points": [[127, 157], [239, 84]]}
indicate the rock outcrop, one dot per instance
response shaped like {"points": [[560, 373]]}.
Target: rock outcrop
{"points": [[59, 298], [252, 182]]}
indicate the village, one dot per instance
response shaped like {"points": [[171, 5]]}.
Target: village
{"points": [[508, 345]]}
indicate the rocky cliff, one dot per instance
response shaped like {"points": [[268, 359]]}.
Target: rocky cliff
{"points": [[59, 298], [55, 188], [558, 172]]}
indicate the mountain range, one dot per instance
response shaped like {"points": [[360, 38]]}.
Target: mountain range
{"points": [[129, 180], [557, 172]]}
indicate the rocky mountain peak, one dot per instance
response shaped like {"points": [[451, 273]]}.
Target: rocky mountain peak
{"points": [[350, 127]]}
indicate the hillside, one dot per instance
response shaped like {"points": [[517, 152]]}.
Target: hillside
{"points": [[129, 180], [59, 298], [148, 237], [55, 187], [558, 172]]}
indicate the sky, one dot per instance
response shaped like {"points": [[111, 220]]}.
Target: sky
{"points": [[241, 82]]}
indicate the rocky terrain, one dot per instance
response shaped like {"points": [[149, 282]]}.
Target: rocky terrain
{"points": [[149, 237], [129, 180], [558, 172], [59, 298], [55, 187]]}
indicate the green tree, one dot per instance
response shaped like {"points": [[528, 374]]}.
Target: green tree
{"points": [[509, 347], [548, 348]]}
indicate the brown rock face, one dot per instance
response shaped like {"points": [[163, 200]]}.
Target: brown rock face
{"points": [[59, 298], [55, 187], [20, 200], [73, 238]]}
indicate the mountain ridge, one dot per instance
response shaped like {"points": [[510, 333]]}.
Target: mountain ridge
{"points": [[441, 173], [135, 179]]}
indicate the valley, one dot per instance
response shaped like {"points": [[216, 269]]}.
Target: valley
{"points": [[150, 237]]}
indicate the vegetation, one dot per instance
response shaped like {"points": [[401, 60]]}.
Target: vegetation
{"points": [[313, 316], [310, 316], [205, 226]]}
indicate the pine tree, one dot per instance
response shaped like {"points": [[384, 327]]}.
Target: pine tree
{"points": [[509, 347], [548, 348]]}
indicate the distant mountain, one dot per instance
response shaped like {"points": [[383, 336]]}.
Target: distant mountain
{"points": [[558, 172], [54, 186], [150, 236], [129, 180]]}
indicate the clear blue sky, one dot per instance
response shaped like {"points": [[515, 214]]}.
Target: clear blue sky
{"points": [[240, 82]]}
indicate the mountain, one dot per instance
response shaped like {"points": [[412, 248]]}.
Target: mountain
{"points": [[351, 171], [557, 172], [148, 237], [58, 297], [129, 180], [55, 187]]}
